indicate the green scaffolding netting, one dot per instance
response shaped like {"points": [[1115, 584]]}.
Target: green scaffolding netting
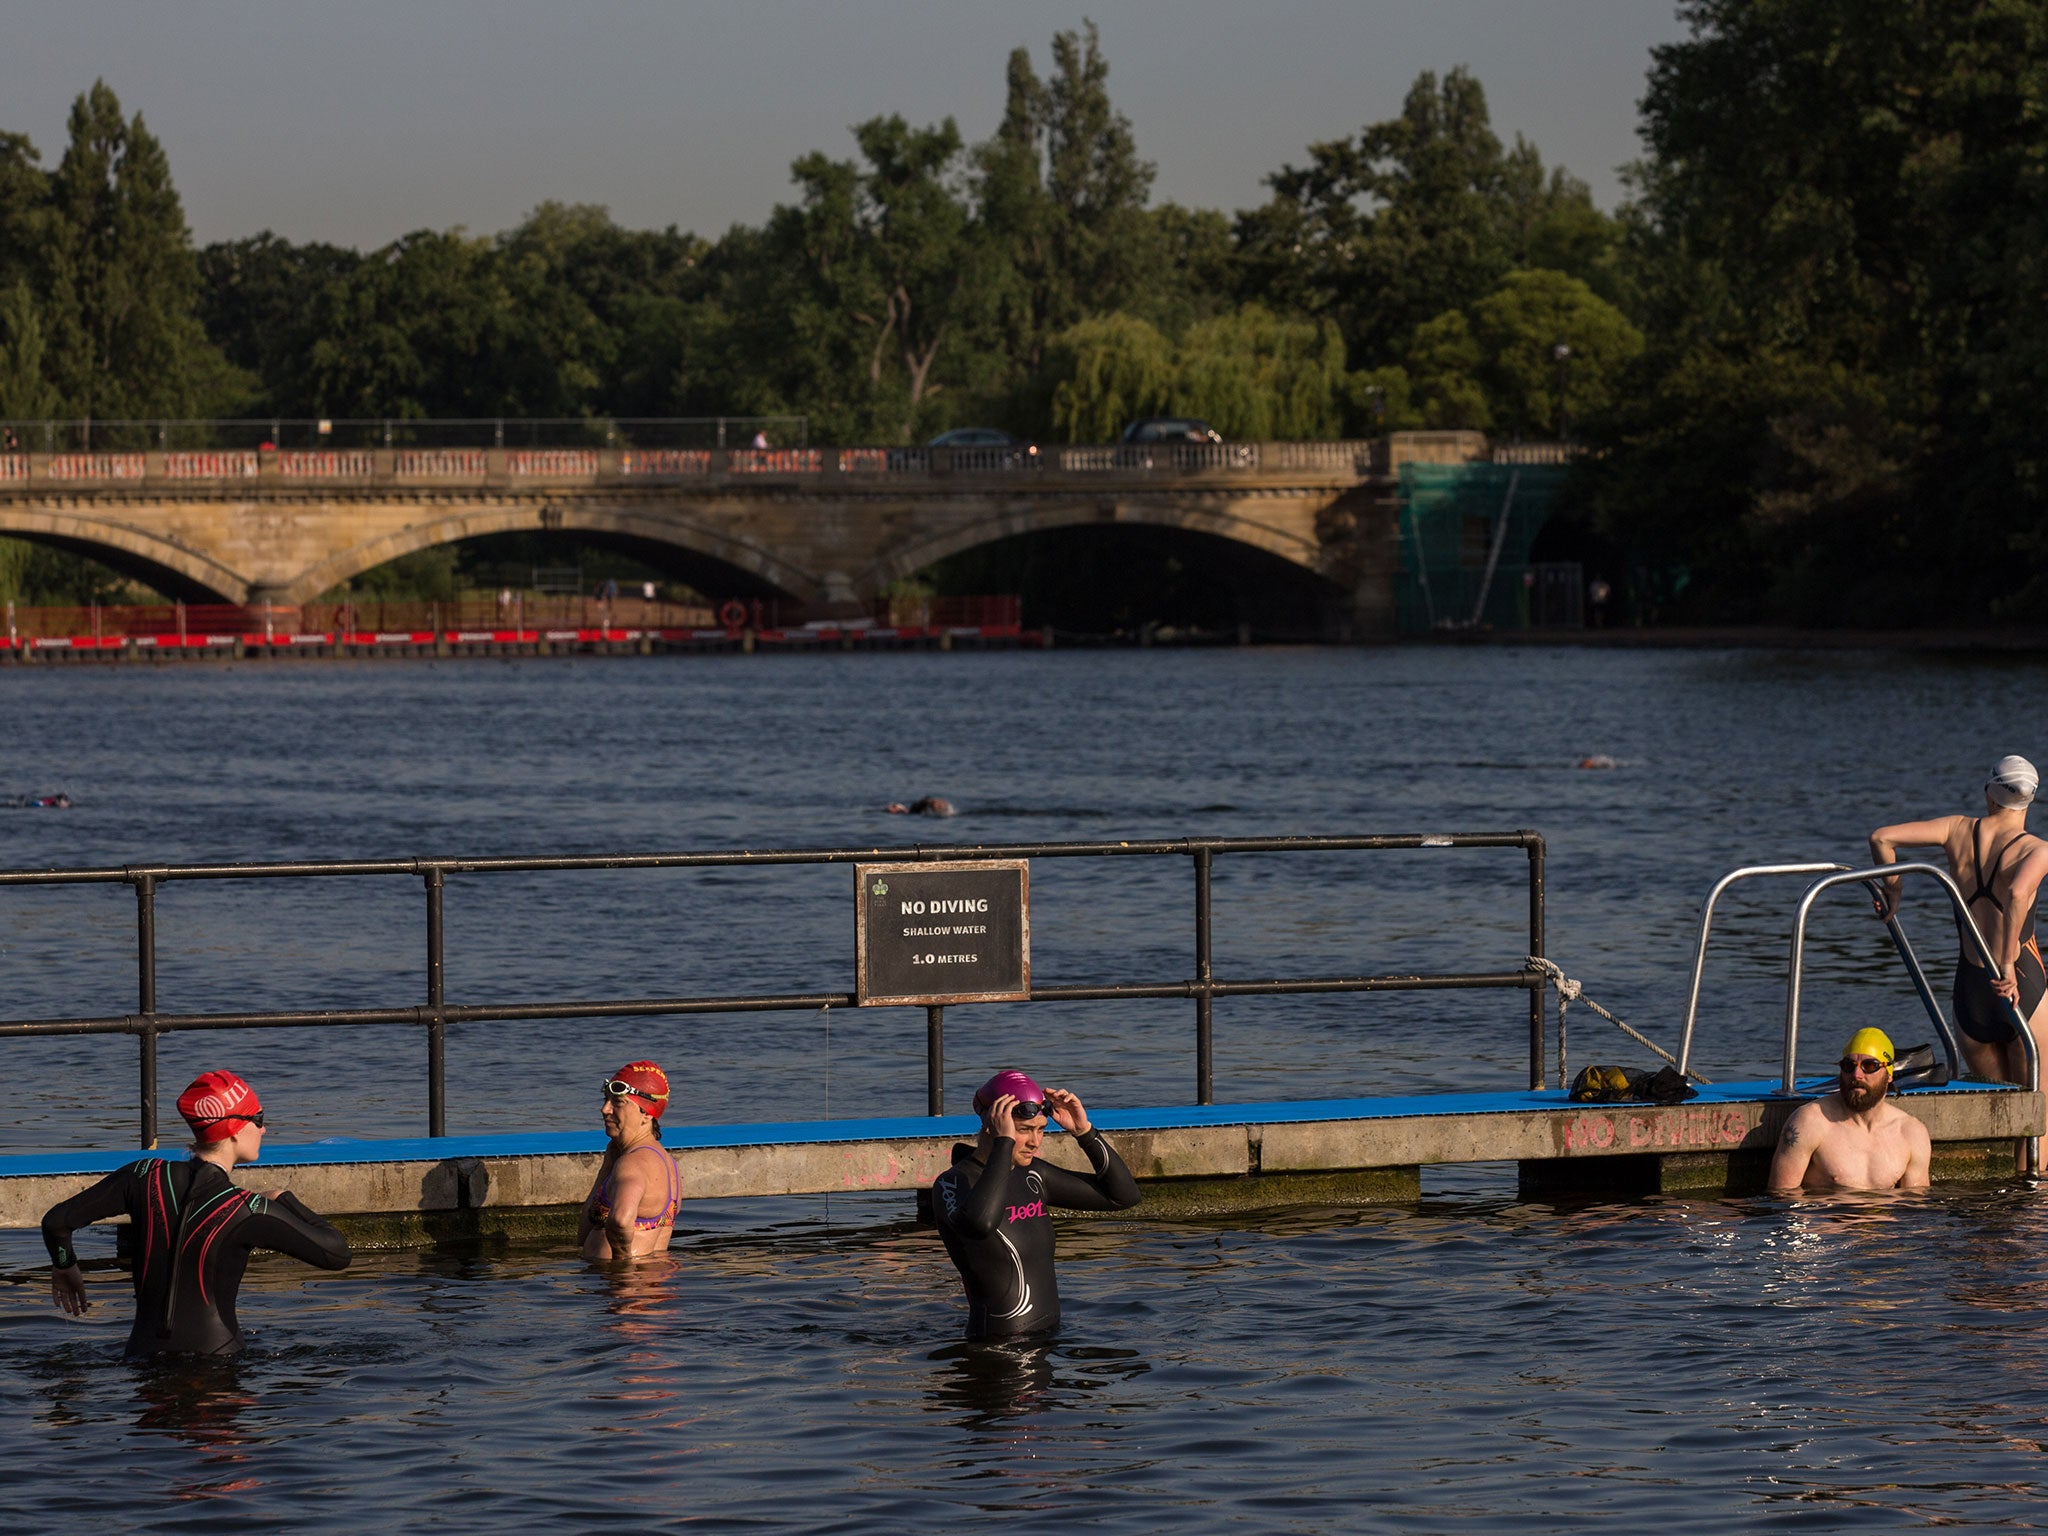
{"points": [[1460, 521]]}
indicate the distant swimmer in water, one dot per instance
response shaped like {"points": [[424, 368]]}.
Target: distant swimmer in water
{"points": [[1854, 1138], [630, 1212], [930, 805], [2000, 867], [193, 1229], [992, 1204], [57, 802], [1598, 760]]}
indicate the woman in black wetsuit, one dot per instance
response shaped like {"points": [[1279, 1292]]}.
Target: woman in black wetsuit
{"points": [[1999, 865], [992, 1204], [193, 1228]]}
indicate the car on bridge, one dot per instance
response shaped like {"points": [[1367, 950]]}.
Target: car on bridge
{"points": [[1008, 451], [1170, 429], [975, 437]]}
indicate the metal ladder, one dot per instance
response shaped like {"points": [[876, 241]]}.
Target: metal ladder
{"points": [[1833, 875]]}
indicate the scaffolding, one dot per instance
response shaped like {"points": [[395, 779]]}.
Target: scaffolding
{"points": [[1466, 535]]}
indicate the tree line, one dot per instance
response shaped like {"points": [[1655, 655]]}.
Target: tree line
{"points": [[1798, 354]]}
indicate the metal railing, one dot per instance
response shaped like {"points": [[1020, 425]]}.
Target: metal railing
{"points": [[1964, 922], [148, 1023], [1832, 875]]}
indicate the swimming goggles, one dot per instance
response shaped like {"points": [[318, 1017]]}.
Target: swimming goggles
{"points": [[1029, 1109], [1868, 1066], [619, 1088]]}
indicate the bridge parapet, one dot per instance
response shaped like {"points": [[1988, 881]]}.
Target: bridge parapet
{"points": [[1322, 463]]}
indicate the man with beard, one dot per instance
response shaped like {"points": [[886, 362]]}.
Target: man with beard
{"points": [[1854, 1138]]}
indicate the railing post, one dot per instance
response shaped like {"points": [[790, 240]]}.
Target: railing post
{"points": [[1536, 983], [437, 1076], [935, 1061], [1205, 1075], [145, 999]]}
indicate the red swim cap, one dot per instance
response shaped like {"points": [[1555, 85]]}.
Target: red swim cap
{"points": [[1009, 1080], [218, 1104], [645, 1082]]}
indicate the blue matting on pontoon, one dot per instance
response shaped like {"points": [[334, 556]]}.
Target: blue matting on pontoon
{"points": [[434, 1149]]}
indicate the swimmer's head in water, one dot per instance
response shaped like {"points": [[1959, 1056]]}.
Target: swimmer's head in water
{"points": [[217, 1105], [642, 1082], [2013, 783], [1010, 1081]]}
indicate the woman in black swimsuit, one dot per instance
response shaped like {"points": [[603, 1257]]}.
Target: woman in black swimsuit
{"points": [[1999, 865], [194, 1229]]}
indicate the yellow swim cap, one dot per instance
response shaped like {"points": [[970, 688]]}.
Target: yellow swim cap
{"points": [[1871, 1042]]}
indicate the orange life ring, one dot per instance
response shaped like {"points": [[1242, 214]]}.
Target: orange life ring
{"points": [[734, 613]]}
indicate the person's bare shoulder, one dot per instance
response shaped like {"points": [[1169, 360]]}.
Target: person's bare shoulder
{"points": [[1807, 1124], [1913, 1129]]}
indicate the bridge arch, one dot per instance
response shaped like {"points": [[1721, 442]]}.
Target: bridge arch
{"points": [[664, 527], [172, 568], [913, 555]]}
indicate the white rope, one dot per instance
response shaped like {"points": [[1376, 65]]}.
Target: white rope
{"points": [[1569, 991]]}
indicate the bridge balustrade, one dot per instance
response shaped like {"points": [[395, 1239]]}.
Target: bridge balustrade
{"points": [[594, 466]]}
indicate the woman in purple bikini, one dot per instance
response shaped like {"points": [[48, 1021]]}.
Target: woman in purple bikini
{"points": [[630, 1212]]}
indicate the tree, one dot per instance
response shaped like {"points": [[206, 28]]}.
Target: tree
{"points": [[1108, 370], [1253, 375], [119, 284], [1061, 194], [1419, 214], [25, 394], [1519, 328], [1836, 260]]}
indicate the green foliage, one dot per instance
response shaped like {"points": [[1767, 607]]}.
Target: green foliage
{"points": [[1108, 369], [1518, 329], [1418, 215], [1249, 373], [25, 394], [39, 575], [1445, 360], [119, 286], [1253, 375], [1836, 263]]}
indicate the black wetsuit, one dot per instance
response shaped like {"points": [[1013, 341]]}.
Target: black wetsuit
{"points": [[1979, 1011], [1000, 1236], [193, 1232]]}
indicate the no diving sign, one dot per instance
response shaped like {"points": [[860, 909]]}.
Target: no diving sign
{"points": [[942, 933]]}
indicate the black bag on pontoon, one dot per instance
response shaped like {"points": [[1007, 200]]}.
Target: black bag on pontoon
{"points": [[1618, 1085]]}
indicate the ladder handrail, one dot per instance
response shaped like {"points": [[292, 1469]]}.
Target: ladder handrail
{"points": [[1699, 950], [1949, 1045], [1966, 923]]}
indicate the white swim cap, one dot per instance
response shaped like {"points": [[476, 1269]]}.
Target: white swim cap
{"points": [[2013, 782]]}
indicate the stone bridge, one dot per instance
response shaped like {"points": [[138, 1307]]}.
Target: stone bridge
{"points": [[828, 528]]}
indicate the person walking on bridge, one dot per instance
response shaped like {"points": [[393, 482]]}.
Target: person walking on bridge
{"points": [[1999, 866]]}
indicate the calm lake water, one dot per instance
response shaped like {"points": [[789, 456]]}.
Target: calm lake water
{"points": [[1470, 1362]]}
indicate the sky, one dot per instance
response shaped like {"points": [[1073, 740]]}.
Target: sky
{"points": [[357, 122]]}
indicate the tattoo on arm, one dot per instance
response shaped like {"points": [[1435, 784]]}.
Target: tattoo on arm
{"points": [[1791, 1136]]}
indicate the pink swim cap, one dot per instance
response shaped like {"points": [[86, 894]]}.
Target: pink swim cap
{"points": [[1009, 1080]]}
